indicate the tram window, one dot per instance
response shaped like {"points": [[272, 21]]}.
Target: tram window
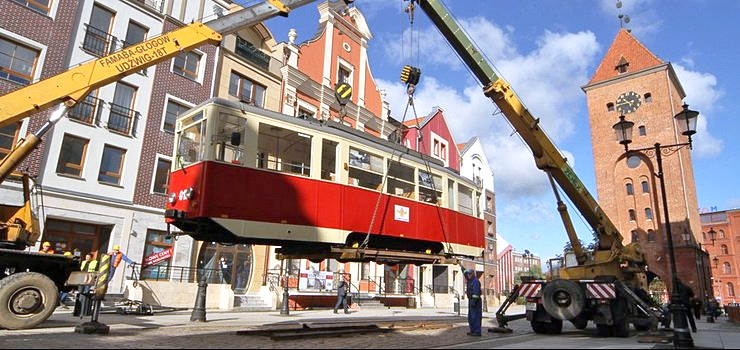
{"points": [[329, 160], [365, 160], [284, 150], [430, 187], [451, 194], [228, 139], [400, 180], [465, 199], [365, 169], [190, 148]]}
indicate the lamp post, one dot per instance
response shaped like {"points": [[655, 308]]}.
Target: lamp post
{"points": [[203, 274], [686, 121], [285, 304]]}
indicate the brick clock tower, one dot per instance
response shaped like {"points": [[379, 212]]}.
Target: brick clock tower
{"points": [[627, 187]]}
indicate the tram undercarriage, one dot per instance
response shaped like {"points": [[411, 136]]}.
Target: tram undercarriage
{"points": [[379, 249]]}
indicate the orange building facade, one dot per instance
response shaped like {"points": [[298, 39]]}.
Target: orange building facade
{"points": [[723, 248]]}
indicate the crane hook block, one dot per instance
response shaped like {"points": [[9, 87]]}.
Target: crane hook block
{"points": [[410, 75]]}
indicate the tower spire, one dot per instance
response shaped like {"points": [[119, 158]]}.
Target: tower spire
{"points": [[623, 19]]}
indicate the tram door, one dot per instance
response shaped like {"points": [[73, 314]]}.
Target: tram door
{"points": [[232, 264]]}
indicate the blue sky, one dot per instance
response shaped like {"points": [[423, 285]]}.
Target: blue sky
{"points": [[547, 50]]}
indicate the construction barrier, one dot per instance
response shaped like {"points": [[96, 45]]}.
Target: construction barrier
{"points": [[101, 286]]}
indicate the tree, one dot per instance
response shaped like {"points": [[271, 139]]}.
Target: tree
{"points": [[535, 271]]}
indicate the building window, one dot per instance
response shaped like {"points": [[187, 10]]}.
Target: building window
{"points": [[365, 271], [157, 243], [621, 67], [648, 213], [645, 187], [439, 148], [723, 249], [304, 113], [648, 97], [17, 62], [161, 176], [42, 6], [344, 75], [721, 234], [283, 150], [246, 90], [610, 107], [727, 268], [111, 166], [135, 34], [121, 117], [72, 156], [635, 236], [642, 130], [651, 236], [8, 138], [632, 215], [98, 40], [730, 289], [187, 64], [173, 111], [630, 189]]}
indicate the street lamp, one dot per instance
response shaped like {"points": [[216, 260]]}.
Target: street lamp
{"points": [[686, 121], [712, 236]]}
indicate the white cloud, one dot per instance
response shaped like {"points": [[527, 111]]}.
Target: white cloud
{"points": [[702, 94], [548, 79], [437, 52], [531, 211]]}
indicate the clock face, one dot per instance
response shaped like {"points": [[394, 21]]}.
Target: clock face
{"points": [[628, 102]]}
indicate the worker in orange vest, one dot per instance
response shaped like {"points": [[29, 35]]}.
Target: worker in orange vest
{"points": [[115, 259], [46, 248]]}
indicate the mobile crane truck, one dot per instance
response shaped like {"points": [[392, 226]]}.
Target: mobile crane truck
{"points": [[29, 281], [605, 286]]}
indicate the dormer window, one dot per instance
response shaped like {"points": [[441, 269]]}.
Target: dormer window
{"points": [[622, 66]]}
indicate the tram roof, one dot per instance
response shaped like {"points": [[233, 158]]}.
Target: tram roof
{"points": [[339, 130]]}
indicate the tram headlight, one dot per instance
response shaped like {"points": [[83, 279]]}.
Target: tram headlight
{"points": [[172, 198]]}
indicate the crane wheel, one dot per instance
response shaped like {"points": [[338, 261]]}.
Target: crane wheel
{"points": [[26, 299], [563, 299]]}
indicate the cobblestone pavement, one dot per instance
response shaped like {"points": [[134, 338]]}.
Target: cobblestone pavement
{"points": [[173, 330]]}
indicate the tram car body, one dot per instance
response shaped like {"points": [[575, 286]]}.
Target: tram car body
{"points": [[243, 174]]}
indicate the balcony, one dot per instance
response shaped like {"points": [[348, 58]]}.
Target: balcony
{"points": [[156, 5], [98, 42], [122, 119], [246, 50], [85, 110]]}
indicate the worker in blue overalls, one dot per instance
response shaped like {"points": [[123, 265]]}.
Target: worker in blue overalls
{"points": [[475, 306]]}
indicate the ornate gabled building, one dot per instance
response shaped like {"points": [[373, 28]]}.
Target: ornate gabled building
{"points": [[336, 54]]}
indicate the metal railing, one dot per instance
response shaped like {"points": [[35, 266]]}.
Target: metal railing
{"points": [[121, 119], [186, 274], [86, 111], [156, 5], [246, 50], [98, 42]]}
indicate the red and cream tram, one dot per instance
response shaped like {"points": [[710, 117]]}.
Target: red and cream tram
{"points": [[243, 174]]}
